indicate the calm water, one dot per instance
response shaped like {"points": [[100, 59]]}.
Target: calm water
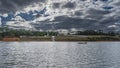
{"points": [[59, 55]]}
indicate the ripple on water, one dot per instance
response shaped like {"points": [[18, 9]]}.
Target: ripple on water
{"points": [[59, 55]]}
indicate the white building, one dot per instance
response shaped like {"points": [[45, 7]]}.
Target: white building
{"points": [[73, 31], [63, 31]]}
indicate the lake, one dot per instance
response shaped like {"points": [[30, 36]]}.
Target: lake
{"points": [[59, 55]]}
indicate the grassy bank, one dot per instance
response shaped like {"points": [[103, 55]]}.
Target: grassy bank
{"points": [[72, 38]]}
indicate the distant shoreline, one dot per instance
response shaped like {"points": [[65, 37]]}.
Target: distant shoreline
{"points": [[57, 41], [64, 39]]}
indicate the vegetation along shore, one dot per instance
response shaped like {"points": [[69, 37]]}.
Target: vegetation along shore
{"points": [[7, 34]]}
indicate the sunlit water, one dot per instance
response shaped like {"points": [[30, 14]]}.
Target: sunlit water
{"points": [[59, 55]]}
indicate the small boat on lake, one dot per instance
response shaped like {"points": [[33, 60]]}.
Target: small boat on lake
{"points": [[82, 42]]}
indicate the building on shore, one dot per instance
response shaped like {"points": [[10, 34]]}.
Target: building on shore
{"points": [[73, 31], [63, 32]]}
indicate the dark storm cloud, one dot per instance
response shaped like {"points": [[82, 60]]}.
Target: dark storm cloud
{"points": [[83, 0], [97, 14], [56, 5], [13, 5], [78, 13], [85, 23], [69, 5], [64, 21], [73, 22], [117, 3], [93, 18], [86, 14], [97, 21]]}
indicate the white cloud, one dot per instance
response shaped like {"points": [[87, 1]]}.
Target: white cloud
{"points": [[5, 15], [80, 9], [33, 7], [18, 18], [19, 22], [112, 26], [0, 22]]}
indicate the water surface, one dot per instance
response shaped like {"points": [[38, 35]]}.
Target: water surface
{"points": [[59, 55]]}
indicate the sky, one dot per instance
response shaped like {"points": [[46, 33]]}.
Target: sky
{"points": [[61, 14]]}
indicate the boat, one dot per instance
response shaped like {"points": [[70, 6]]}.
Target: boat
{"points": [[82, 42]]}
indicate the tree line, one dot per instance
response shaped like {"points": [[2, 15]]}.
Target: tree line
{"points": [[6, 32], [99, 32]]}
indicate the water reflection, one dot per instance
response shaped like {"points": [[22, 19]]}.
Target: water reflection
{"points": [[59, 55]]}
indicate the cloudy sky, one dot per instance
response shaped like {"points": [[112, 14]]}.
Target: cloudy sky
{"points": [[61, 14]]}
